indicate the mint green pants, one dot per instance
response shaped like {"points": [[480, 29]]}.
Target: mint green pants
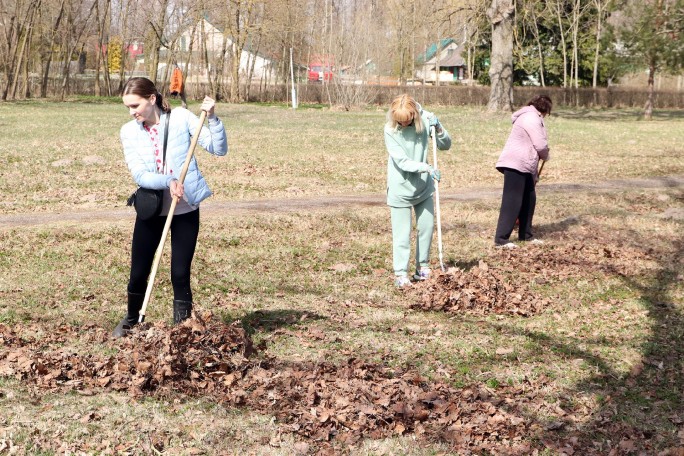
{"points": [[401, 235]]}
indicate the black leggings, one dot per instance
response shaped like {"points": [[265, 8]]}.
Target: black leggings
{"points": [[146, 238], [517, 202]]}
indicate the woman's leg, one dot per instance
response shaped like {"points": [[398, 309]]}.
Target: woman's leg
{"points": [[529, 201], [146, 237], [511, 201], [401, 239], [425, 223], [184, 232]]}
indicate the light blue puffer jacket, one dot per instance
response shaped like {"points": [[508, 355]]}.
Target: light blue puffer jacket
{"points": [[139, 152]]}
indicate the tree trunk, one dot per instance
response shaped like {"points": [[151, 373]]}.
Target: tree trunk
{"points": [[648, 109], [437, 59], [540, 51], [235, 73], [105, 68], [98, 51], [22, 48], [564, 46], [576, 14], [46, 68], [236, 56], [250, 74], [156, 45], [500, 15], [599, 31], [27, 77], [221, 64], [13, 34]]}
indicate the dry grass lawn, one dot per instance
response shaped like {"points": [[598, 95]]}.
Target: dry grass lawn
{"points": [[597, 370]]}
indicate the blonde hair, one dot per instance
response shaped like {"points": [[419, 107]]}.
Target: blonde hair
{"points": [[403, 109]]}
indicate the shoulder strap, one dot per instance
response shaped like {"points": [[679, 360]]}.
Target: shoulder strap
{"points": [[166, 136]]}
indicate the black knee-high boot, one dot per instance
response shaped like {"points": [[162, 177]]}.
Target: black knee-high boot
{"points": [[181, 310], [135, 302]]}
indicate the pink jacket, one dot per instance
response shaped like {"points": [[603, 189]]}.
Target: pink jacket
{"points": [[527, 142]]}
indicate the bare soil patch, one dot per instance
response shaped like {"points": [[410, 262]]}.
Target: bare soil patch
{"points": [[212, 207]]}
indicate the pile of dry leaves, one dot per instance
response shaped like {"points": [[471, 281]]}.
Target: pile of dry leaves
{"points": [[186, 358], [325, 403], [481, 290], [489, 289]]}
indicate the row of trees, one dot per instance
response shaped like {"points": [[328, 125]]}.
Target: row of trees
{"points": [[568, 43], [575, 43]]}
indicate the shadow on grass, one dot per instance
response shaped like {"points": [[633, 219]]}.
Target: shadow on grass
{"points": [[271, 320], [640, 412], [648, 404], [562, 225]]}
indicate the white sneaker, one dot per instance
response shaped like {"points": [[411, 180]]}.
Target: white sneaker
{"points": [[508, 246], [401, 282], [423, 274], [536, 241]]}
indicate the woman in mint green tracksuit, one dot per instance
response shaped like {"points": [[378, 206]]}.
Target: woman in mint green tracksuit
{"points": [[410, 182]]}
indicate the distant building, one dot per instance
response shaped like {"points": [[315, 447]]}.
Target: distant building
{"points": [[444, 62], [135, 50], [213, 37]]}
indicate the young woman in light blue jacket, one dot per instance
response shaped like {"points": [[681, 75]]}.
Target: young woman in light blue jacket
{"points": [[410, 183], [142, 139]]}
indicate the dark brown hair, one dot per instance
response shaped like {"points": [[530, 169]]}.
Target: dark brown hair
{"points": [[542, 103], [145, 88]]}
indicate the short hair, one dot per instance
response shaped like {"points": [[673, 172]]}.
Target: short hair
{"points": [[145, 88], [542, 103]]}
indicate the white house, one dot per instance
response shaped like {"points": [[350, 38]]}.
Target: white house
{"points": [[212, 37], [445, 62]]}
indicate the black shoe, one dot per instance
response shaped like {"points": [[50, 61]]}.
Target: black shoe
{"points": [[181, 310], [135, 302], [124, 327]]}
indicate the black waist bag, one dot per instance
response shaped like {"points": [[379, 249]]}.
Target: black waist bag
{"points": [[148, 202]]}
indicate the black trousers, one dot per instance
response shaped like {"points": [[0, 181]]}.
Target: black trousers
{"points": [[146, 238], [517, 202]]}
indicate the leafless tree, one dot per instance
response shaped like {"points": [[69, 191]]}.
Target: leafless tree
{"points": [[602, 8], [500, 14]]}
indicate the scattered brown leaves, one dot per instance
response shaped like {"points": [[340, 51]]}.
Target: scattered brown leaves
{"points": [[186, 358], [324, 403], [503, 284]]}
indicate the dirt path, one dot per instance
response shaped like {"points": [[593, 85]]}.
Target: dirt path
{"points": [[214, 208]]}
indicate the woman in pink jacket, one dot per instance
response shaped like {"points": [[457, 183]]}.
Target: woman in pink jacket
{"points": [[518, 162]]}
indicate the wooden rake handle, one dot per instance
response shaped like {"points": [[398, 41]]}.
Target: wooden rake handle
{"points": [[437, 208]]}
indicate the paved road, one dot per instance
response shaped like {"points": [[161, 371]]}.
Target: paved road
{"points": [[213, 208]]}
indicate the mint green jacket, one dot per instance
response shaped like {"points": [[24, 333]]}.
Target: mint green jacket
{"points": [[408, 179]]}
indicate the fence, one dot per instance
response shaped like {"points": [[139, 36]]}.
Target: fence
{"points": [[454, 95], [348, 96]]}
